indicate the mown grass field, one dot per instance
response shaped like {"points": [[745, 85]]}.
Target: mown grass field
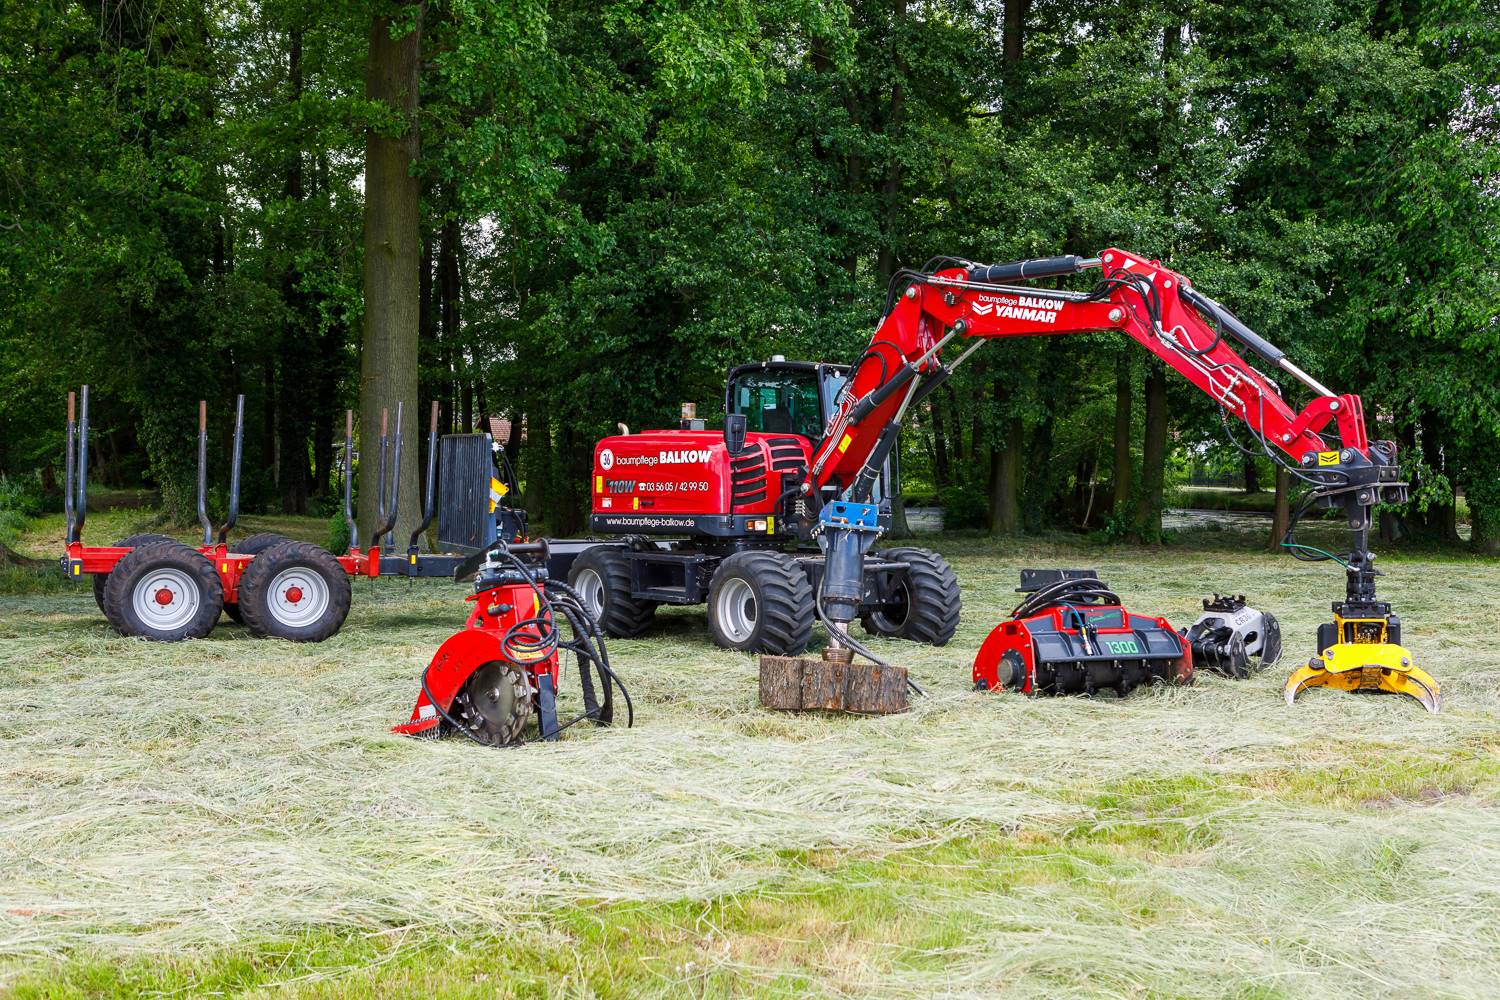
{"points": [[232, 817]]}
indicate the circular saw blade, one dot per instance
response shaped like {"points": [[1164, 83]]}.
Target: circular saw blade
{"points": [[496, 703]]}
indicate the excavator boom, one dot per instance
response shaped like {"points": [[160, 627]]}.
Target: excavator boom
{"points": [[1325, 440]]}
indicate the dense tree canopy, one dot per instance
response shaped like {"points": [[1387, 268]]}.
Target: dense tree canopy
{"points": [[619, 200]]}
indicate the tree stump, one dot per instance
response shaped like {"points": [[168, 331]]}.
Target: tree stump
{"points": [[799, 684]]}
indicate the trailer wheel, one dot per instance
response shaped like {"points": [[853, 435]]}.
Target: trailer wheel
{"points": [[295, 591], [929, 603], [602, 578], [255, 544], [761, 602], [128, 542], [251, 546], [164, 591]]}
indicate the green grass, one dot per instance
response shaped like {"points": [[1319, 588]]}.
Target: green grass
{"points": [[232, 817], [1221, 498]]}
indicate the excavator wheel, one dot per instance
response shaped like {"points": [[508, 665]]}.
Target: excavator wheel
{"points": [[254, 545], [602, 578], [928, 606], [164, 591], [295, 591], [128, 542], [761, 602]]}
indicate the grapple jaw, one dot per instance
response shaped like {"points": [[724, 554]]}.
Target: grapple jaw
{"points": [[1381, 667]]}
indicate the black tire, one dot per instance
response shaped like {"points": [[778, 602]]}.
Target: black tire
{"points": [[931, 602], [602, 578], [165, 592], [128, 542], [279, 579], [761, 602], [254, 545]]}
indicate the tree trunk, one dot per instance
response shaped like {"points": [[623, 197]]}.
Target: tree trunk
{"points": [[1442, 519], [1483, 495], [1283, 512], [1014, 30], [536, 457], [1252, 475], [393, 255], [297, 362], [512, 444], [268, 442], [1034, 479], [1122, 464], [1005, 465], [940, 473], [899, 527], [1153, 456]]}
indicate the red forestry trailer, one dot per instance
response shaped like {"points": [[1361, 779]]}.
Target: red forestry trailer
{"points": [[155, 587]]}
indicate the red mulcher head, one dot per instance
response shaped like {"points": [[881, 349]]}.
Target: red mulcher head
{"points": [[1071, 636], [488, 679]]}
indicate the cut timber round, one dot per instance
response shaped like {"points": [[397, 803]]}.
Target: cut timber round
{"points": [[796, 683]]}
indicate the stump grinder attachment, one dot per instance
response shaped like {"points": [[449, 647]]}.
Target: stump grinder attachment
{"points": [[1071, 636], [489, 679]]}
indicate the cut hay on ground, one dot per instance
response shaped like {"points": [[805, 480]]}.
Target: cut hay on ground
{"points": [[156, 798]]}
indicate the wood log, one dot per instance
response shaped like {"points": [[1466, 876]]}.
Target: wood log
{"points": [[790, 683], [781, 683], [823, 685]]}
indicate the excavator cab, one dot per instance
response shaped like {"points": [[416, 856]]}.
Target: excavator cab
{"points": [[785, 397], [792, 397]]}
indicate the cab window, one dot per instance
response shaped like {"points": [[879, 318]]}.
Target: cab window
{"points": [[784, 402]]}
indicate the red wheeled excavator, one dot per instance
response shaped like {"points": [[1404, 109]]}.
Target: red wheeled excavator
{"points": [[744, 499], [710, 518]]}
